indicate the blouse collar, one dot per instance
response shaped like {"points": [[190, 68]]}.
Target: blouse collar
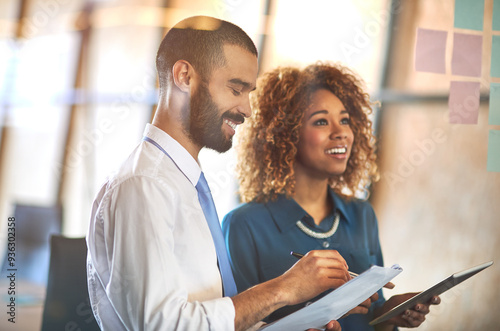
{"points": [[286, 211]]}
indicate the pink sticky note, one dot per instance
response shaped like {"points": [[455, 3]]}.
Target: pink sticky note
{"points": [[463, 102], [467, 55], [430, 51]]}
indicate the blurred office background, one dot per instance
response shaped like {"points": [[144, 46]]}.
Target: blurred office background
{"points": [[78, 85]]}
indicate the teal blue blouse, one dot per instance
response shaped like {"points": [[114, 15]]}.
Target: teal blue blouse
{"points": [[260, 237]]}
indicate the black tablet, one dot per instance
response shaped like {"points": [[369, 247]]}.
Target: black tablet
{"points": [[437, 289]]}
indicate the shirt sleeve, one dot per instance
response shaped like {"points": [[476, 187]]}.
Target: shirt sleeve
{"points": [[136, 264]]}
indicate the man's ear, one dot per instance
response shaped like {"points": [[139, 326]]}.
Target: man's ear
{"points": [[182, 73]]}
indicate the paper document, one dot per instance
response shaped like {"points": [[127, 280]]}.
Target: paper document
{"points": [[338, 302]]}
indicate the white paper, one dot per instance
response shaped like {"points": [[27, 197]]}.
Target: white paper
{"points": [[338, 302]]}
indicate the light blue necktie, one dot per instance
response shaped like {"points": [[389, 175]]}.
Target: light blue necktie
{"points": [[207, 204]]}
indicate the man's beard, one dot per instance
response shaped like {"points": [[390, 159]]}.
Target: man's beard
{"points": [[204, 124]]}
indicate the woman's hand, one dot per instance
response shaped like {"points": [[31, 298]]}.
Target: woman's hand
{"points": [[363, 307], [331, 326], [411, 318]]}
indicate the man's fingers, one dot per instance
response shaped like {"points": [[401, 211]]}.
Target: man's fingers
{"points": [[327, 265], [329, 258], [334, 282]]}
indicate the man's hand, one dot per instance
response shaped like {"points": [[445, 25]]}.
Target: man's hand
{"points": [[320, 270], [313, 274], [411, 318]]}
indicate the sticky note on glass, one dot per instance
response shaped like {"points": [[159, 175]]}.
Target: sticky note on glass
{"points": [[494, 112], [496, 15], [430, 51], [467, 55], [469, 14], [493, 163], [495, 57], [463, 102]]}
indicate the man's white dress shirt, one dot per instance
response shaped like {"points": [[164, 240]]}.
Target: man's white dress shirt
{"points": [[151, 261]]}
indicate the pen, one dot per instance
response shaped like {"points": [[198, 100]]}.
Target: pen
{"points": [[299, 256]]}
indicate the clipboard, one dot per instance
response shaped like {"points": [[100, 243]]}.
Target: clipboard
{"points": [[337, 303], [437, 289]]}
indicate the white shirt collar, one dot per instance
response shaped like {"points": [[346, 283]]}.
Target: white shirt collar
{"points": [[181, 157]]}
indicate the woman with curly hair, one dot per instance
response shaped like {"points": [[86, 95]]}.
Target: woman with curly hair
{"points": [[304, 157]]}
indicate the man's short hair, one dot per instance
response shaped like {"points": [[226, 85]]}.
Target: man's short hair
{"points": [[200, 41]]}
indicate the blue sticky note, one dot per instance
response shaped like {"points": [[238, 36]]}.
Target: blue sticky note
{"points": [[469, 14], [493, 163], [494, 113], [496, 15], [495, 57]]}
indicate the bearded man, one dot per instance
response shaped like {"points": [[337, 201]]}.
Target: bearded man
{"points": [[155, 256]]}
